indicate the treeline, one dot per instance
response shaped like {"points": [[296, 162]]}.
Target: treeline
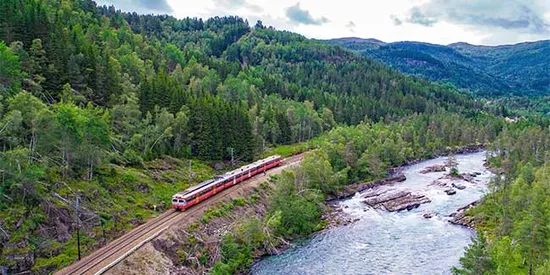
{"points": [[187, 88], [514, 225], [347, 154]]}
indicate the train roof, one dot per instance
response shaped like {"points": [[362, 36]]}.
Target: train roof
{"points": [[204, 184]]}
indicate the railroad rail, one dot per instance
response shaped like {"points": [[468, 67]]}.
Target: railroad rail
{"points": [[109, 255]]}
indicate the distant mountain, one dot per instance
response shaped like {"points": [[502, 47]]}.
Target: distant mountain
{"points": [[520, 69]]}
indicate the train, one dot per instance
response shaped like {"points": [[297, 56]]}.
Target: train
{"points": [[206, 189]]}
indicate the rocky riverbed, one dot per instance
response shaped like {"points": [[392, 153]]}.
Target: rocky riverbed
{"points": [[405, 225]]}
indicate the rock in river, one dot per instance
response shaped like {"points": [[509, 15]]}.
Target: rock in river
{"points": [[450, 191], [351, 189], [458, 186], [434, 168], [408, 202], [373, 201], [428, 215]]}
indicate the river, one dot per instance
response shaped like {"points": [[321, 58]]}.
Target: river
{"points": [[381, 242]]}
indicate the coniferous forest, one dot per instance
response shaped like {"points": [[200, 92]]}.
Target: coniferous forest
{"points": [[107, 108]]}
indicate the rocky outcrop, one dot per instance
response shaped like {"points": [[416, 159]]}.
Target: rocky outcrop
{"points": [[439, 183], [373, 192], [335, 216], [460, 218], [396, 201], [433, 169], [374, 201], [408, 202], [352, 189]]}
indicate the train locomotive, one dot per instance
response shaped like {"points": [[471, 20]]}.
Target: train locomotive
{"points": [[206, 189]]}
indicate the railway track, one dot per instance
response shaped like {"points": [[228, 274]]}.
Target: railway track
{"points": [[106, 257]]}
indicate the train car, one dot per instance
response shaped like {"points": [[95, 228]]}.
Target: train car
{"points": [[206, 189]]}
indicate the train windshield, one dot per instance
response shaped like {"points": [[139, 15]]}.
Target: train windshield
{"points": [[183, 202], [175, 200]]}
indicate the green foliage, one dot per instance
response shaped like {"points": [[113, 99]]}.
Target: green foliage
{"points": [[239, 202], [515, 212], [222, 209], [477, 259], [299, 207], [501, 70], [236, 257], [10, 72]]}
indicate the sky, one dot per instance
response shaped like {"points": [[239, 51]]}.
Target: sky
{"points": [[480, 22]]}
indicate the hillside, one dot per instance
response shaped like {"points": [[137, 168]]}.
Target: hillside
{"points": [[109, 107], [520, 69]]}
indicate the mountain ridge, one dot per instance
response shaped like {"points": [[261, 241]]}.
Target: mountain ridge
{"points": [[513, 69]]}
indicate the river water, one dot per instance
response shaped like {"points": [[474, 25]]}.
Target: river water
{"points": [[391, 243]]}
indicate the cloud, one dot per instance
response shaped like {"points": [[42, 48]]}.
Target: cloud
{"points": [[416, 16], [521, 16], [237, 4], [156, 5], [300, 16], [140, 6], [396, 21], [351, 26]]}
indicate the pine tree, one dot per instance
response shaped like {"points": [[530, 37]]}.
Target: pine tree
{"points": [[477, 259], [452, 163]]}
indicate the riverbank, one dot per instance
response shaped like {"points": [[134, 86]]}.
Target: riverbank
{"points": [[197, 245], [374, 234], [396, 175]]}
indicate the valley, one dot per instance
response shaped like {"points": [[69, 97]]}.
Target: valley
{"points": [[105, 114]]}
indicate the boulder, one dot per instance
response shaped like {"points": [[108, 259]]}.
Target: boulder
{"points": [[467, 177], [408, 202], [450, 191], [217, 166], [439, 183], [460, 218], [458, 186], [428, 215], [351, 189], [433, 169], [373, 201]]}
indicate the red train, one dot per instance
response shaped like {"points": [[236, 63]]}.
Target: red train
{"points": [[206, 189]]}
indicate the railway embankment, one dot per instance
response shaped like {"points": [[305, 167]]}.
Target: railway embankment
{"points": [[196, 244], [193, 245]]}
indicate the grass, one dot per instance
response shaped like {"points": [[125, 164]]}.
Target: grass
{"points": [[120, 197], [293, 149]]}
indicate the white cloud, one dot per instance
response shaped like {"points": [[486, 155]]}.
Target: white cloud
{"points": [[433, 21]]}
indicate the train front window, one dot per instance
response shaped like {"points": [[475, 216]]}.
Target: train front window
{"points": [[174, 200], [182, 202]]}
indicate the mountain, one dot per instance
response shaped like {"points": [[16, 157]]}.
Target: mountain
{"points": [[520, 69]]}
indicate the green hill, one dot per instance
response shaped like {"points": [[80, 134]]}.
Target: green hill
{"points": [[520, 69]]}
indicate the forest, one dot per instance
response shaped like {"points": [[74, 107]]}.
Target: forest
{"points": [[108, 107], [504, 70]]}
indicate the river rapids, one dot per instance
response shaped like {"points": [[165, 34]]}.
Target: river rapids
{"points": [[382, 242]]}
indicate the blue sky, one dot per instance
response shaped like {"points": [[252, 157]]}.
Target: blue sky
{"points": [[486, 22]]}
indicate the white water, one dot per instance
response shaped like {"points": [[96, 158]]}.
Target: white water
{"points": [[391, 243]]}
